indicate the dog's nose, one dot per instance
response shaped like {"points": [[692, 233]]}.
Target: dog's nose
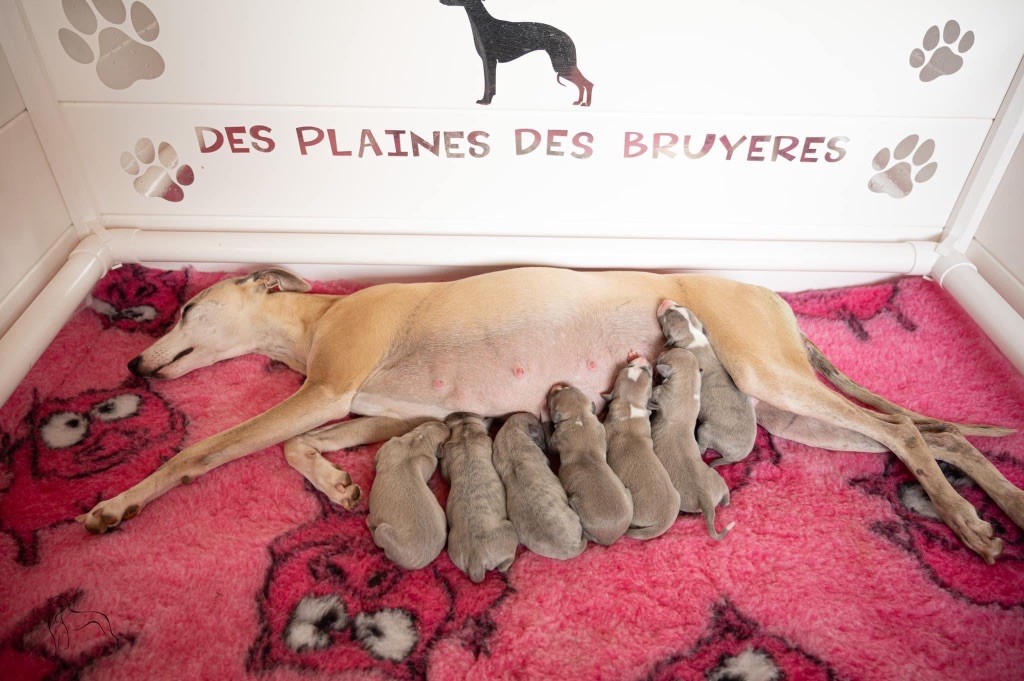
{"points": [[133, 366]]}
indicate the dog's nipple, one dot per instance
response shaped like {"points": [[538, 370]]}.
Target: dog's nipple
{"points": [[519, 372], [592, 365], [438, 384]]}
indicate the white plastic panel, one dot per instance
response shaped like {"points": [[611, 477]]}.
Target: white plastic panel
{"points": [[1002, 229], [11, 103], [798, 57], [32, 213], [824, 196]]}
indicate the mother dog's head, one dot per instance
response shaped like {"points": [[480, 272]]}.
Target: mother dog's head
{"points": [[226, 320]]}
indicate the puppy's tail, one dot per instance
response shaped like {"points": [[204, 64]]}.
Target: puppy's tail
{"points": [[708, 508], [847, 386]]}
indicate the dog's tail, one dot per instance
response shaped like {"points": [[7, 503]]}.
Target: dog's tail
{"points": [[847, 386], [558, 79]]}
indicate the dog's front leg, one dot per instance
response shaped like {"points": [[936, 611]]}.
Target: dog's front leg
{"points": [[490, 80], [305, 452], [310, 406]]}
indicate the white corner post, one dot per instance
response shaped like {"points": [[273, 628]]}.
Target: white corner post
{"points": [[953, 271]]}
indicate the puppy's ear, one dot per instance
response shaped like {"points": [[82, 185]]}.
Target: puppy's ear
{"points": [[593, 407], [277, 278], [653, 403], [664, 370]]}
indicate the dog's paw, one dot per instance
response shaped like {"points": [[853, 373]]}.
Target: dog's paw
{"points": [[339, 488], [107, 514], [977, 534]]}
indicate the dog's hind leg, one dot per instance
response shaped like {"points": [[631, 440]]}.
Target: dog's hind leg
{"points": [[800, 392], [573, 75], [310, 406], [304, 452], [944, 442]]}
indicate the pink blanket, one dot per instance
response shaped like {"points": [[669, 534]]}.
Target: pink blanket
{"points": [[837, 567]]}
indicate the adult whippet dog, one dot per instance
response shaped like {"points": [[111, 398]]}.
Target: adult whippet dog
{"points": [[494, 344]]}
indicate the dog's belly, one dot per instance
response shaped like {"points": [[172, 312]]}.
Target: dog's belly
{"points": [[504, 361]]}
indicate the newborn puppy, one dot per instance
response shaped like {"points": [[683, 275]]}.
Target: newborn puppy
{"points": [[726, 420], [677, 401], [537, 505], [480, 536], [405, 518], [631, 455], [598, 497]]}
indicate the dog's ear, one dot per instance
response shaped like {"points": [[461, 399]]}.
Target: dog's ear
{"points": [[277, 278]]}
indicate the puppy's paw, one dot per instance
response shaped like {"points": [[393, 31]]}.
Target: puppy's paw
{"points": [[107, 514]]}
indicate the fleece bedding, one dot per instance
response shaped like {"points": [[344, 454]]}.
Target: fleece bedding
{"points": [[837, 567]]}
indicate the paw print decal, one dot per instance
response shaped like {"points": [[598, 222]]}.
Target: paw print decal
{"points": [[942, 61], [120, 59], [164, 180], [897, 180]]}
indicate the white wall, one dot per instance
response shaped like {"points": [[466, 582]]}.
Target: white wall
{"points": [[998, 247], [34, 224], [735, 69]]}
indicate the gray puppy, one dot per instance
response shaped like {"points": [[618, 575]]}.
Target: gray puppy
{"points": [[627, 427], [405, 518], [537, 504], [480, 536], [599, 498], [677, 401], [726, 420]]}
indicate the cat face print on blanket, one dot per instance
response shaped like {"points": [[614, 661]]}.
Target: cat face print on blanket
{"points": [[334, 603], [139, 299], [80, 449]]}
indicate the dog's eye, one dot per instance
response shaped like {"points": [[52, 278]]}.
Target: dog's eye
{"points": [[388, 634], [117, 408], [64, 429], [312, 622]]}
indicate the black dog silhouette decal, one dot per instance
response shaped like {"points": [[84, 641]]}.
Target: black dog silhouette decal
{"points": [[502, 41]]}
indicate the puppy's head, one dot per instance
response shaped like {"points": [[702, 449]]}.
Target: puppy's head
{"points": [[634, 382], [566, 402], [678, 367], [680, 326], [224, 321], [434, 433], [529, 424]]}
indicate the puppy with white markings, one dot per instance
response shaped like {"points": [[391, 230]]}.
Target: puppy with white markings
{"points": [[405, 518], [480, 536], [726, 422], [537, 504], [599, 498], [677, 402], [627, 427]]}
